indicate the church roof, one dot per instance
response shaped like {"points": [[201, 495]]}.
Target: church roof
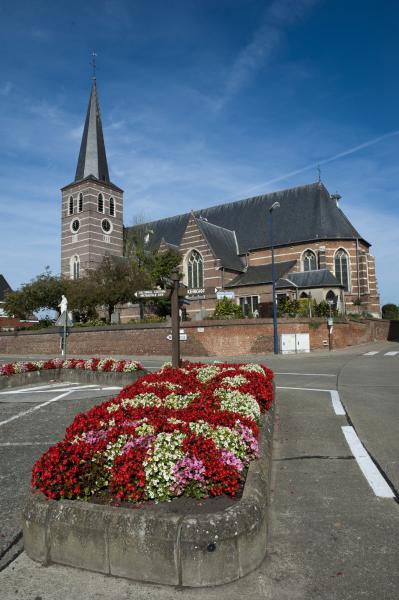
{"points": [[4, 287], [307, 213], [309, 279], [223, 243], [92, 156], [262, 274]]}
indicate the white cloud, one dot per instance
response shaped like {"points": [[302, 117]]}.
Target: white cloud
{"points": [[264, 43], [5, 88]]}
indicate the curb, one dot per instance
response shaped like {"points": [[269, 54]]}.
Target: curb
{"points": [[195, 550]]}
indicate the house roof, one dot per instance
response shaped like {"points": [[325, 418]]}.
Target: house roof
{"points": [[261, 274], [92, 156], [309, 279], [307, 213], [4, 287], [223, 243]]}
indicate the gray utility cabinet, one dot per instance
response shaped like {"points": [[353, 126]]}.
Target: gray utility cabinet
{"points": [[291, 343]]}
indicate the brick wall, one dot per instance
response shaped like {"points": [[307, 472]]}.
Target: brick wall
{"points": [[206, 338]]}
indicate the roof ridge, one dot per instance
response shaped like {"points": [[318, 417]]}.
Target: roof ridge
{"points": [[213, 224]]}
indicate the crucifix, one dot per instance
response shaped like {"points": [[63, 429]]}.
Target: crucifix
{"points": [[93, 63]]}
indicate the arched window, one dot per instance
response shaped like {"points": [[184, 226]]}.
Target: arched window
{"points": [[195, 270], [112, 207], [70, 206], [309, 261], [75, 267], [80, 203], [341, 263], [100, 203]]}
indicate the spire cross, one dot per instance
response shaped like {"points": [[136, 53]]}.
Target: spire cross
{"points": [[319, 174], [93, 63]]}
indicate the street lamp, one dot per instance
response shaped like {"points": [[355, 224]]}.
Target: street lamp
{"points": [[275, 335]]}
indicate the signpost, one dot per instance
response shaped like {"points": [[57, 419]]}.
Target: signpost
{"points": [[64, 323], [330, 325], [176, 293]]}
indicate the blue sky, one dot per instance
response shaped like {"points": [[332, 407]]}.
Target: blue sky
{"points": [[203, 101]]}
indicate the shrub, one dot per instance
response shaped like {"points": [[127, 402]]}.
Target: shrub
{"points": [[390, 311], [227, 309]]}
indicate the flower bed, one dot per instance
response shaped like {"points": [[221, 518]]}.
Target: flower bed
{"points": [[190, 431], [103, 365]]}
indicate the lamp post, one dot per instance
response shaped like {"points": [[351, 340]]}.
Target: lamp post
{"points": [[275, 334]]}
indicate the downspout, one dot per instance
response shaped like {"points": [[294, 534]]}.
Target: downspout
{"points": [[357, 269]]}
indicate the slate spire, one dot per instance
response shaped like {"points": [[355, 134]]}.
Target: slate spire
{"points": [[92, 156]]}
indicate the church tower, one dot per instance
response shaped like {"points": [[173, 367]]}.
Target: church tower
{"points": [[92, 206]]}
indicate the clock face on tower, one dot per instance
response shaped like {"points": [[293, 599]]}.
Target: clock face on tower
{"points": [[106, 226]]}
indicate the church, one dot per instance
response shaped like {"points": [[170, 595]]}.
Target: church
{"points": [[226, 250]]}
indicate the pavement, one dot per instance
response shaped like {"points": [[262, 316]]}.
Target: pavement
{"points": [[334, 514]]}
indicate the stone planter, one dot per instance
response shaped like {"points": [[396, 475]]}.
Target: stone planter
{"points": [[70, 375], [160, 547]]}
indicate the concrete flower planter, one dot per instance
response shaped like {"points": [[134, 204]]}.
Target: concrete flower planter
{"points": [[160, 547], [71, 375]]}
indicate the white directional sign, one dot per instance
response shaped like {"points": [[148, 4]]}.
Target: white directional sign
{"points": [[150, 294], [183, 337], [225, 294]]}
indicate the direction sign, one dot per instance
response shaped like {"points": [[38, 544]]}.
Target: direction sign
{"points": [[151, 293], [225, 294], [183, 337]]}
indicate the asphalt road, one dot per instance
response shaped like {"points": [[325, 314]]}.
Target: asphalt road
{"points": [[334, 512]]}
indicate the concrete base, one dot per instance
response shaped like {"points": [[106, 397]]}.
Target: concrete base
{"points": [[71, 375], [193, 550]]}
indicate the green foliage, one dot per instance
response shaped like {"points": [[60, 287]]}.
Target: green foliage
{"points": [[227, 309], [163, 265], [300, 308], [322, 309], [114, 282], [43, 292], [390, 311], [288, 308], [314, 324]]}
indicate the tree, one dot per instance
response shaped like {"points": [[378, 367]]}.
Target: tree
{"points": [[43, 292], [163, 265], [390, 311], [115, 281]]}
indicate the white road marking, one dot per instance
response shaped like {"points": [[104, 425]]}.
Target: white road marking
{"points": [[31, 410], [112, 388], [283, 387], [368, 468], [6, 444], [91, 387], [391, 353], [308, 374], [371, 353], [52, 387], [336, 402], [334, 395]]}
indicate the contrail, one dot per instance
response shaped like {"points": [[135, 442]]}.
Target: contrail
{"points": [[324, 161]]}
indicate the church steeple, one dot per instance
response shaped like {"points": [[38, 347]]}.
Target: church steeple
{"points": [[92, 156]]}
